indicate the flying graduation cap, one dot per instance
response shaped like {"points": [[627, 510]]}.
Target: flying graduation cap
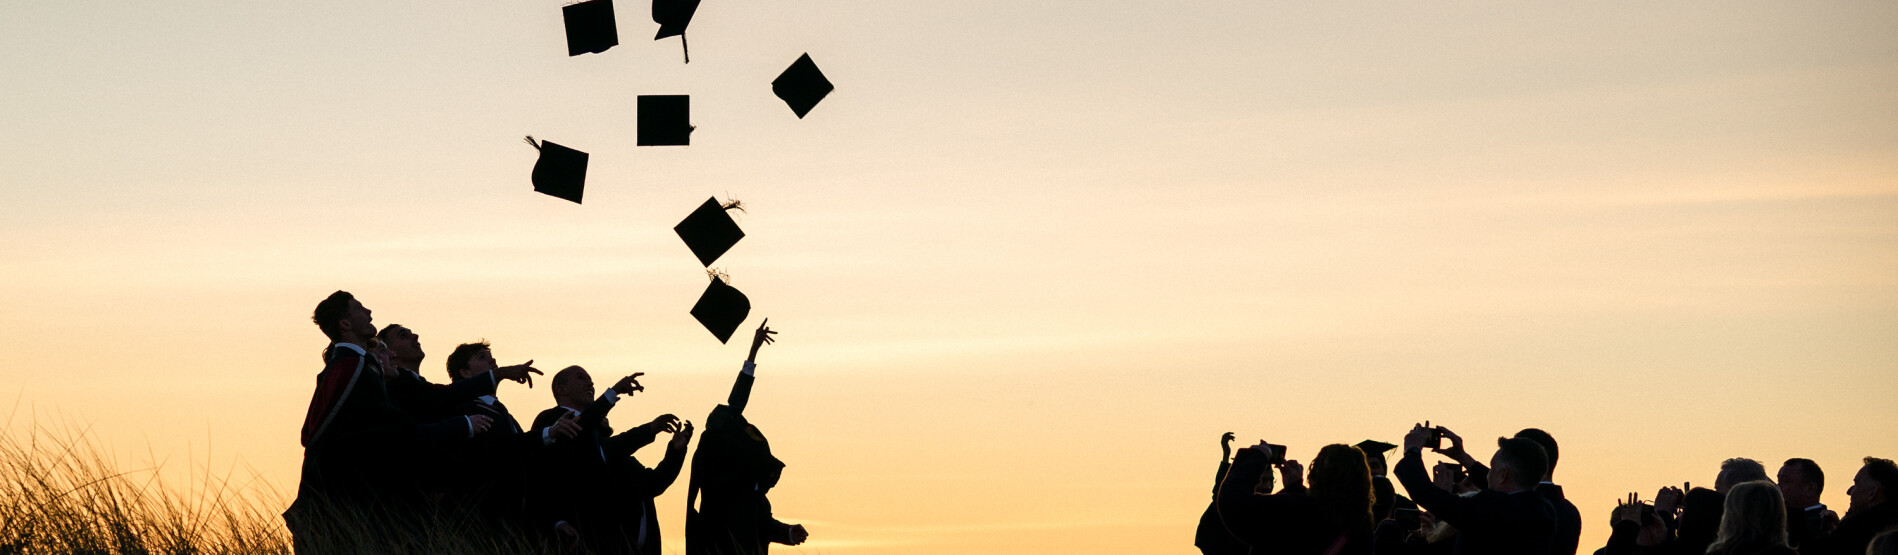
{"points": [[673, 16], [590, 27], [721, 308], [665, 120], [561, 171], [709, 231], [801, 86]]}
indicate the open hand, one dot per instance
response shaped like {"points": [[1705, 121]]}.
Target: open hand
{"points": [[684, 436], [627, 385], [761, 338], [520, 373], [1225, 445], [665, 423]]}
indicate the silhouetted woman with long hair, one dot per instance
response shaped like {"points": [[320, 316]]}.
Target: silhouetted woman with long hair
{"points": [[1754, 522], [1332, 517]]}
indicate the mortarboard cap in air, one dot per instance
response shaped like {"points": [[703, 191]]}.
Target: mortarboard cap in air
{"points": [[561, 171], [590, 27], [721, 309], [665, 120], [802, 85], [1372, 447], [709, 231], [673, 16]]}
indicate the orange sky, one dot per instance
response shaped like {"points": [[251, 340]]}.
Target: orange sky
{"points": [[1029, 260]]}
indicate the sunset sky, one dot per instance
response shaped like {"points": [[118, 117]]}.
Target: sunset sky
{"points": [[1029, 259]]}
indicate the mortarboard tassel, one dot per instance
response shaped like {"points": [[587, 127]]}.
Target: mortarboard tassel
{"points": [[531, 142]]}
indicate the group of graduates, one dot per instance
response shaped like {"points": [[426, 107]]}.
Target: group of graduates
{"points": [[387, 454], [1511, 506]]}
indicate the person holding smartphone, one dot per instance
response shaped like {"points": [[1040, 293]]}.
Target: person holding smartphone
{"points": [[1508, 517], [1331, 517]]}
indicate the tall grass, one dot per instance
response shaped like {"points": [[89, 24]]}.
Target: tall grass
{"points": [[61, 492]]}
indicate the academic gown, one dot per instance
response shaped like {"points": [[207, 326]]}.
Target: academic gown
{"points": [[1289, 522], [585, 481], [734, 470], [1212, 538]]}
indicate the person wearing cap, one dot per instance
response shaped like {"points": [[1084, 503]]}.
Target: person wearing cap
{"points": [[581, 500], [1506, 518], [1568, 520], [734, 469], [359, 450]]}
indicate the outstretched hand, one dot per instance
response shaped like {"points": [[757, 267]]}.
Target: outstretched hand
{"points": [[760, 338], [627, 385], [1225, 445], [683, 437], [521, 373], [797, 534], [665, 423], [1669, 498]]}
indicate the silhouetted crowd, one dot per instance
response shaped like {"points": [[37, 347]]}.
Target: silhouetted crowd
{"points": [[1512, 506], [388, 453]]}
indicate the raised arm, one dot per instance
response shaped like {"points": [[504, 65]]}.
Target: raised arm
{"points": [[1458, 511], [741, 390]]}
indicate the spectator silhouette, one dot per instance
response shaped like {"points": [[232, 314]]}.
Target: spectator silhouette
{"points": [[1568, 520], [1801, 481], [1506, 518], [1212, 538], [1332, 517], [734, 470], [1753, 521], [1871, 512]]}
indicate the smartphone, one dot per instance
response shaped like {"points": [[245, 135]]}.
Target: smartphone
{"points": [[1278, 454], [1436, 439], [1407, 519], [1457, 476]]}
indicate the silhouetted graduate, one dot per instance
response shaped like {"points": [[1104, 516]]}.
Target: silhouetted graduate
{"points": [[582, 494], [489, 475], [359, 450], [734, 470], [1507, 518]]}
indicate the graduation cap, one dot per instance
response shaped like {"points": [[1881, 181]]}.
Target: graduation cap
{"points": [[721, 308], [802, 85], [673, 16], [665, 120], [1374, 448], [590, 27], [561, 171], [709, 231]]}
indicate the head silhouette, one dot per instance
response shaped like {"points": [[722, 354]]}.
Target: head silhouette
{"points": [[1518, 465], [1736, 470], [1754, 518], [573, 387], [1801, 481], [470, 359], [1341, 483]]}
